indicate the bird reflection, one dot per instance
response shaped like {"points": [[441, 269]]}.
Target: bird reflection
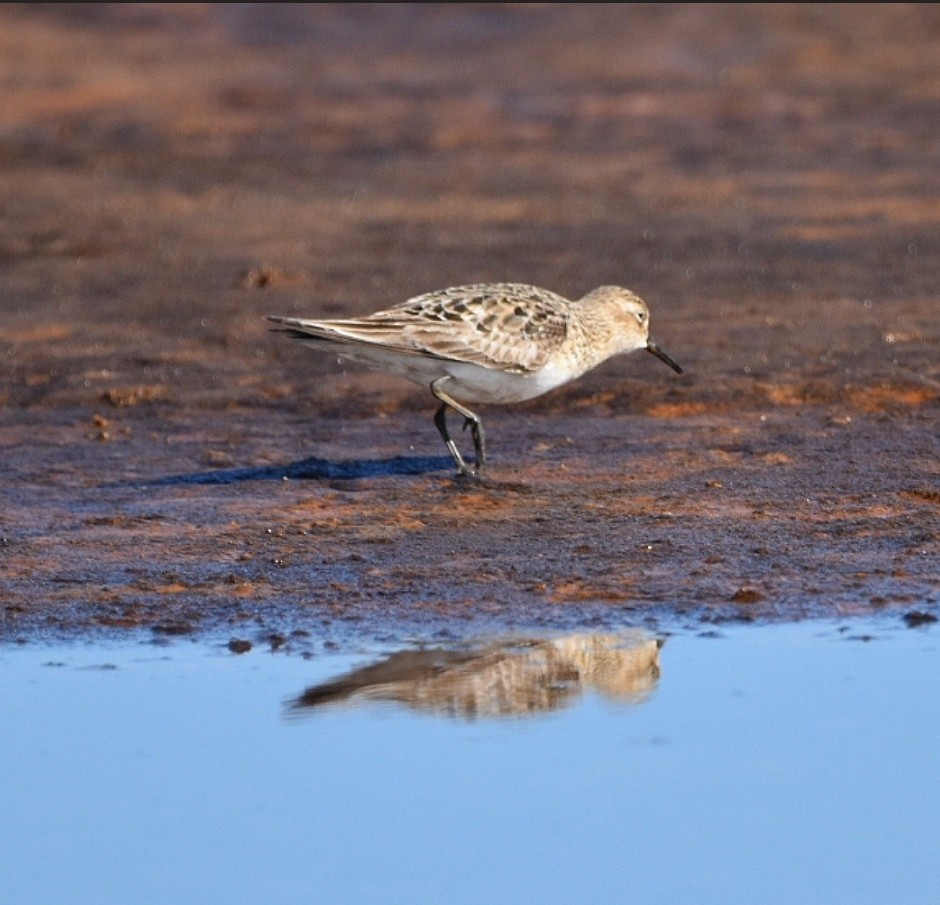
{"points": [[515, 679]]}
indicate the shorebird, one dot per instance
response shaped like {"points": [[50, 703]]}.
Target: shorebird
{"points": [[487, 342]]}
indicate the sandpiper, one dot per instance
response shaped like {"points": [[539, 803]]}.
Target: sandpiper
{"points": [[487, 342]]}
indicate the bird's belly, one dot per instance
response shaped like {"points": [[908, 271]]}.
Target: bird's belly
{"points": [[472, 383], [468, 382]]}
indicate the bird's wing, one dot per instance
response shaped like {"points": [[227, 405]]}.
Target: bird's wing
{"points": [[506, 326], [348, 332]]}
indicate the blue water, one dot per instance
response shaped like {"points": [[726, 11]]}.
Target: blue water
{"points": [[770, 764]]}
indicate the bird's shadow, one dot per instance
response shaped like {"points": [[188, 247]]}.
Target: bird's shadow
{"points": [[312, 469]]}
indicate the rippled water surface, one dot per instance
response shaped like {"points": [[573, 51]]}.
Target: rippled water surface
{"points": [[790, 763]]}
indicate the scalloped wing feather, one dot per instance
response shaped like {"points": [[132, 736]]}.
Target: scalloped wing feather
{"points": [[508, 326]]}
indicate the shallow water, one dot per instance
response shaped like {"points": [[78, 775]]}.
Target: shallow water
{"points": [[773, 763]]}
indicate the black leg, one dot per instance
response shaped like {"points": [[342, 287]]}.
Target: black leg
{"points": [[476, 429], [440, 419], [479, 441]]}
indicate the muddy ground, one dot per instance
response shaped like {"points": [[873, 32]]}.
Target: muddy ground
{"points": [[766, 177]]}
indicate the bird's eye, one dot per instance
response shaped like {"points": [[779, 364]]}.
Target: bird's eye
{"points": [[641, 316]]}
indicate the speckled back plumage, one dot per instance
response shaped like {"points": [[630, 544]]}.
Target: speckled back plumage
{"points": [[509, 326]]}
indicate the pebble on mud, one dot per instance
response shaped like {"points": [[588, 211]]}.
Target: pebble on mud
{"points": [[747, 595], [263, 277], [125, 397], [917, 617], [101, 425]]}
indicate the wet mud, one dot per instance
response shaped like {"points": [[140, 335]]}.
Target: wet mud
{"points": [[765, 177]]}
